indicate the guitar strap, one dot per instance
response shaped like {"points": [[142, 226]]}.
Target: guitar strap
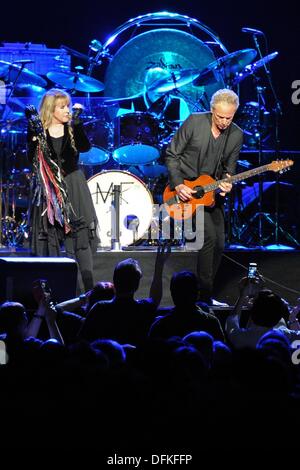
{"points": [[222, 151]]}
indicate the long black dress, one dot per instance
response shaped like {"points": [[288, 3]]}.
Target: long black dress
{"points": [[46, 239]]}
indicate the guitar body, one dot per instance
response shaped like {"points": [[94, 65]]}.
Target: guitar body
{"points": [[180, 210], [206, 186]]}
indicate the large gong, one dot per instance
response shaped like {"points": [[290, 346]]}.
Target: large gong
{"points": [[171, 49]]}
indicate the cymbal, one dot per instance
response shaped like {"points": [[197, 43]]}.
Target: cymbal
{"points": [[13, 117], [10, 72], [168, 48], [251, 68], [15, 105], [76, 81], [176, 79], [108, 101], [28, 90], [227, 65], [12, 124], [113, 101], [12, 121], [175, 121]]}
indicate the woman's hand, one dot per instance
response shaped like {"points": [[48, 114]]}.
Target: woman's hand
{"points": [[35, 126], [77, 110]]}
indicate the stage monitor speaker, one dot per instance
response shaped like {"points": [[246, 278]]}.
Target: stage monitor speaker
{"points": [[18, 273]]}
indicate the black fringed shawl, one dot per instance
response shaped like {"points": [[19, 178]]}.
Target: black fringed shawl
{"points": [[50, 190]]}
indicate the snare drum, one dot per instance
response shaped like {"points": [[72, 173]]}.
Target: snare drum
{"points": [[136, 206], [136, 139]]}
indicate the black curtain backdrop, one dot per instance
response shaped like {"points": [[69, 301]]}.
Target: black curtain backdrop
{"points": [[59, 23]]}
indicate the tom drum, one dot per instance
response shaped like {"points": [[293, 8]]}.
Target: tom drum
{"points": [[136, 139]]}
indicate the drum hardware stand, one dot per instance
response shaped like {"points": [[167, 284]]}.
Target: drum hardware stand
{"points": [[1, 245], [132, 223], [195, 105], [260, 215], [115, 225], [13, 85], [260, 100], [278, 111], [12, 88], [2, 159], [8, 224], [277, 228], [236, 224], [175, 91]]}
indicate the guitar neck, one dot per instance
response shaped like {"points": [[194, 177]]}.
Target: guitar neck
{"points": [[239, 177]]}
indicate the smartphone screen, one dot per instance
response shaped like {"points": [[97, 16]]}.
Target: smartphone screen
{"points": [[252, 270]]}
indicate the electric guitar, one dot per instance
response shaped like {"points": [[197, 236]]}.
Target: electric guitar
{"points": [[206, 188]]}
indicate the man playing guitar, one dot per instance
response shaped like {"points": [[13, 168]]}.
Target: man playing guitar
{"points": [[207, 143]]}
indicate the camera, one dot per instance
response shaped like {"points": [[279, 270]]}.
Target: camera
{"points": [[43, 290], [252, 271]]}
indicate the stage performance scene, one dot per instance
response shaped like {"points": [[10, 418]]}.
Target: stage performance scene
{"points": [[150, 231]]}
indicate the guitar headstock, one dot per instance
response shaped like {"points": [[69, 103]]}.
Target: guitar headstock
{"points": [[280, 165]]}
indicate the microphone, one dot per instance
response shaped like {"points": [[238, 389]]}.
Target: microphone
{"points": [[75, 115], [253, 31], [23, 61]]}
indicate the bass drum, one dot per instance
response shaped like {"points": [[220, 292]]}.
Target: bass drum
{"points": [[136, 206]]}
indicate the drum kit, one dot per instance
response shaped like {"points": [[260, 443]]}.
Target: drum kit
{"points": [[127, 149], [18, 82]]}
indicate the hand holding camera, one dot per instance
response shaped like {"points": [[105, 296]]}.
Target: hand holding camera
{"points": [[251, 284], [46, 311], [43, 296], [42, 292], [252, 271]]}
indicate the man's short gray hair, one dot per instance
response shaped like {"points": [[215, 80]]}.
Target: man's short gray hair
{"points": [[224, 96]]}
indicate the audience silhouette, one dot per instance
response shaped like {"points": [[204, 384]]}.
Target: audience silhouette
{"points": [[186, 316]]}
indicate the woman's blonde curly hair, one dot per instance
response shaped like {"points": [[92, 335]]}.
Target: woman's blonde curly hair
{"points": [[47, 107]]}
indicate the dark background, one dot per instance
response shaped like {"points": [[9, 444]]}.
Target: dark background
{"points": [[65, 23]]}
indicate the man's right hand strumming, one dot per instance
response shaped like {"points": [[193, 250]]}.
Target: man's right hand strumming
{"points": [[184, 192]]}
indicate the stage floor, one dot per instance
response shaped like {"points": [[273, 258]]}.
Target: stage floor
{"points": [[281, 270]]}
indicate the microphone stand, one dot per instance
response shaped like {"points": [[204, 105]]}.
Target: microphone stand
{"points": [[259, 91], [261, 214], [115, 236]]}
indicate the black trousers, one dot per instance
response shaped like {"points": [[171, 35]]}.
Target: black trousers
{"points": [[209, 257]]}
